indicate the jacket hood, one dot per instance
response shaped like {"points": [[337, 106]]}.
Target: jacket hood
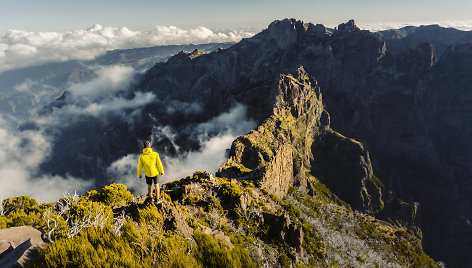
{"points": [[147, 150]]}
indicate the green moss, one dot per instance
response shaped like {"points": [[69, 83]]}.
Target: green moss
{"points": [[248, 183], [192, 222], [239, 167], [242, 240], [377, 181], [292, 210]]}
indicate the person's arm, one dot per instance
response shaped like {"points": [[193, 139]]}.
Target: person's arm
{"points": [[160, 168], [140, 167]]}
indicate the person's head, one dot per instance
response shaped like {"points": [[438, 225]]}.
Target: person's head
{"points": [[147, 144]]}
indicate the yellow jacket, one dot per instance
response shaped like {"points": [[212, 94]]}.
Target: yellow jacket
{"points": [[151, 162]]}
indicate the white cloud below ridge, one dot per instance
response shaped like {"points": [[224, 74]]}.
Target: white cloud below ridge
{"points": [[19, 48]]}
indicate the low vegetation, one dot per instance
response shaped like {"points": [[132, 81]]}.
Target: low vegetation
{"points": [[224, 223]]}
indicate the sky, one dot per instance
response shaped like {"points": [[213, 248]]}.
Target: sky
{"points": [[59, 15]]}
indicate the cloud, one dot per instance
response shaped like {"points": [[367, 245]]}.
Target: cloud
{"points": [[98, 98], [22, 152], [20, 48], [20, 156], [227, 126], [211, 156], [108, 81], [233, 123], [124, 171], [465, 25]]}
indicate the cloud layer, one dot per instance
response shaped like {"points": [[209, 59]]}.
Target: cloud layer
{"points": [[465, 25], [20, 48], [22, 152]]}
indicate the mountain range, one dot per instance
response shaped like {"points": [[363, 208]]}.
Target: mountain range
{"points": [[406, 105], [24, 91]]}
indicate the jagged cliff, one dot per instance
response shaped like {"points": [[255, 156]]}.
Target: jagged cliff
{"points": [[297, 139], [410, 110]]}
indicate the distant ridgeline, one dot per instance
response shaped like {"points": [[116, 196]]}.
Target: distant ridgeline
{"points": [[293, 193], [303, 85]]}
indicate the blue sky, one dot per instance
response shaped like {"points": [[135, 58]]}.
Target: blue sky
{"points": [[55, 15]]}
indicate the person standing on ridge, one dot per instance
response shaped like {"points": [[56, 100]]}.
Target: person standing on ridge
{"points": [[152, 167]]}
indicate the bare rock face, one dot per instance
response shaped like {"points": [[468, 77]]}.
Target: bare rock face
{"points": [[174, 220], [343, 164], [18, 245], [269, 151], [284, 230], [296, 137]]}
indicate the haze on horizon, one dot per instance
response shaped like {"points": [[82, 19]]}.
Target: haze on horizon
{"points": [[55, 15]]}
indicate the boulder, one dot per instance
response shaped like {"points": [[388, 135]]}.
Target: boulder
{"points": [[18, 245]]}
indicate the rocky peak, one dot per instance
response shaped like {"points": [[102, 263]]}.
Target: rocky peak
{"points": [[183, 56], [347, 27], [288, 31], [284, 32], [268, 154]]}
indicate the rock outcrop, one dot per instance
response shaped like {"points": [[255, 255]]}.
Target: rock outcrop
{"points": [[18, 245], [297, 139]]}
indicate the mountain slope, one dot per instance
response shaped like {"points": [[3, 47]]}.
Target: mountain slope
{"points": [[399, 40], [265, 208], [389, 102], [24, 91]]}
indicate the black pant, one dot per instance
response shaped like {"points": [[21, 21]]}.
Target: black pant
{"points": [[150, 180]]}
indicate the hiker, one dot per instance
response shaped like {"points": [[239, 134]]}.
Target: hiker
{"points": [[152, 167]]}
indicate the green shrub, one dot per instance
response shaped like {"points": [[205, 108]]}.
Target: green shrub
{"points": [[165, 196], [3, 222], [215, 204], [190, 200], [93, 247], [85, 208], [174, 252], [115, 195], [26, 203], [150, 215], [230, 190], [20, 217], [214, 253], [284, 260]]}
